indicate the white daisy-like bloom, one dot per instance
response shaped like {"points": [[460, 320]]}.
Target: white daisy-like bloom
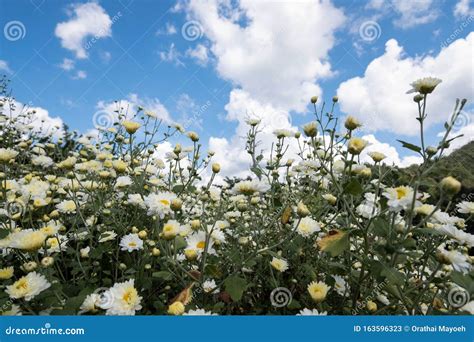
{"points": [[314, 312], [28, 287], [159, 203], [35, 189], [457, 234], [7, 154], [218, 236], [250, 187], [131, 242], [283, 133], [197, 242], [215, 194], [67, 207], [444, 218], [281, 265], [368, 208], [123, 181], [340, 285], [221, 225], [121, 299], [399, 198], [424, 85], [210, 285], [382, 299], [307, 226], [136, 199], [90, 304], [55, 244], [43, 161], [466, 207], [199, 312], [459, 261], [107, 236]]}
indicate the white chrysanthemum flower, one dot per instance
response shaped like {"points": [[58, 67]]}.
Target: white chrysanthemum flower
{"points": [[197, 242], [90, 304], [340, 285], [210, 286], [136, 199], [159, 203], [131, 242], [67, 207], [28, 287], [123, 181], [466, 207], [43, 161], [7, 154], [107, 236], [281, 265], [15, 310], [199, 312], [460, 236], [307, 226], [424, 85], [121, 299], [283, 133], [26, 239], [313, 312], [399, 198], [459, 261], [368, 208], [250, 187]]}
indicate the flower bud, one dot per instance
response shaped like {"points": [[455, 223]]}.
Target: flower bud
{"points": [[450, 185], [130, 126], [216, 167], [352, 123], [302, 210], [314, 99], [356, 145]]}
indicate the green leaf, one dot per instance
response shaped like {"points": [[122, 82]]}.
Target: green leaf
{"points": [[180, 242], [4, 233], [235, 286], [353, 188], [380, 226], [294, 304], [463, 280], [165, 275], [392, 275], [337, 247], [410, 146]]}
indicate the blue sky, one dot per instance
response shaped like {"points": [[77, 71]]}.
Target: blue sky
{"points": [[143, 49]]}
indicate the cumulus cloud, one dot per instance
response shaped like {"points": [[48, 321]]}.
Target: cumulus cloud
{"points": [[80, 75], [271, 56], [86, 20], [171, 55], [378, 97]]}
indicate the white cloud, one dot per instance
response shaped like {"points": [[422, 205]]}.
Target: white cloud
{"points": [[169, 30], [129, 106], [105, 56], [273, 54], [199, 53], [393, 158], [67, 64], [4, 66], [463, 9], [280, 51], [409, 13], [379, 99], [171, 55], [41, 122], [87, 20], [80, 75]]}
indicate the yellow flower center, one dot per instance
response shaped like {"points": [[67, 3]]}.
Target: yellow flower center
{"points": [[22, 284], [165, 202], [401, 192], [132, 244], [201, 244], [128, 297]]}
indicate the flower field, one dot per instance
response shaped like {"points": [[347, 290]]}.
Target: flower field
{"points": [[96, 225]]}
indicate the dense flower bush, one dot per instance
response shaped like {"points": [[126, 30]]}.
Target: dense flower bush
{"points": [[101, 225]]}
